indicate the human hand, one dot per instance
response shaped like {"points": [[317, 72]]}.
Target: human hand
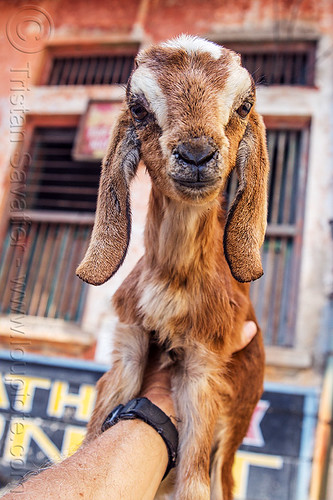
{"points": [[248, 332], [157, 384]]}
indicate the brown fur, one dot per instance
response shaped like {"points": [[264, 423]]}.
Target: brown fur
{"points": [[182, 293]]}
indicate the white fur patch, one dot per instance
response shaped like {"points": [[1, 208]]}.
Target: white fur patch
{"points": [[160, 306], [194, 44], [144, 81], [237, 84]]}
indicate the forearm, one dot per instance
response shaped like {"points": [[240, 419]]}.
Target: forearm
{"points": [[127, 461]]}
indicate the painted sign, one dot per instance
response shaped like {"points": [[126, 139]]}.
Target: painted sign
{"points": [[45, 405], [94, 130]]}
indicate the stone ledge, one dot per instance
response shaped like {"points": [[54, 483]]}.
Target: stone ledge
{"points": [[288, 357], [45, 336]]}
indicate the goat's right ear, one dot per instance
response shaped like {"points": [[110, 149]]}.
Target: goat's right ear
{"points": [[111, 232]]}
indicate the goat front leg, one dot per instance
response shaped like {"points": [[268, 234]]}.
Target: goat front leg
{"points": [[195, 386], [124, 380]]}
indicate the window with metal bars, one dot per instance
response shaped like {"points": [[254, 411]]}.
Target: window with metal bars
{"points": [[280, 63], [54, 231], [90, 70], [54, 180], [275, 294]]}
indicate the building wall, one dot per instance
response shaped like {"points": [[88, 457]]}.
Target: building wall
{"points": [[146, 21]]}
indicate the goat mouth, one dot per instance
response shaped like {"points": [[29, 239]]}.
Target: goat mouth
{"points": [[194, 184]]}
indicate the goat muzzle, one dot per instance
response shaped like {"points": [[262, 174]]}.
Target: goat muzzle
{"points": [[195, 153], [196, 164]]}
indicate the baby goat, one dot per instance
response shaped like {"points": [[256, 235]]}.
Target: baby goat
{"points": [[190, 117]]}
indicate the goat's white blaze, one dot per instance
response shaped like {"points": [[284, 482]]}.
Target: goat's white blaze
{"points": [[144, 81], [194, 44], [236, 86]]}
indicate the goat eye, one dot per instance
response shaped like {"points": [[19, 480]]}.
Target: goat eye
{"points": [[139, 113], [244, 109]]}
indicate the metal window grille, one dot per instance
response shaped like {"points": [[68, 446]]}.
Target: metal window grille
{"points": [[279, 63], [90, 70], [37, 272], [40, 281], [55, 181], [275, 294]]}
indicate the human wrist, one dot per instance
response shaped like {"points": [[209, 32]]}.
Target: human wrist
{"points": [[162, 399], [157, 388], [143, 409]]}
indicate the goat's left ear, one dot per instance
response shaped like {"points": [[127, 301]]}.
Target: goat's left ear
{"points": [[246, 222], [111, 233]]}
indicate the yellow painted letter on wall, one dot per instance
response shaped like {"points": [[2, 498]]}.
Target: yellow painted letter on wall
{"points": [[72, 440], [26, 387], [21, 433], [60, 397], [243, 461], [4, 401]]}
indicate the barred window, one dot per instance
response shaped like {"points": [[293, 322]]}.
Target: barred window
{"points": [[54, 180], [91, 70], [279, 63], [60, 200]]}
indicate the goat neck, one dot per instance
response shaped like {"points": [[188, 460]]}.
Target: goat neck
{"points": [[182, 239]]}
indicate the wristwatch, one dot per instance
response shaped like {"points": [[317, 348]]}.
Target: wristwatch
{"points": [[144, 409]]}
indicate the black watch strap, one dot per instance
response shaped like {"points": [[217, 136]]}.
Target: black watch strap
{"points": [[145, 410]]}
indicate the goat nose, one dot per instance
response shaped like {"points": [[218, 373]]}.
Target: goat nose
{"points": [[195, 152]]}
